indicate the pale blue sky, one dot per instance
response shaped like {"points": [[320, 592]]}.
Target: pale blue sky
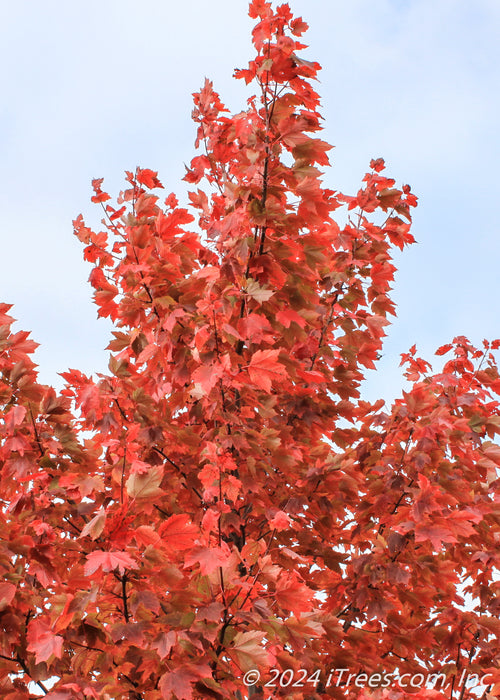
{"points": [[92, 88]]}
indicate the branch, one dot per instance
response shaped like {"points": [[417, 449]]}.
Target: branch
{"points": [[325, 328], [37, 437], [22, 663], [124, 598], [404, 492], [113, 225], [176, 466], [122, 479], [122, 412], [75, 527], [265, 175]]}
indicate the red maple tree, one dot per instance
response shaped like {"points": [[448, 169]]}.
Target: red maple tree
{"points": [[223, 502]]}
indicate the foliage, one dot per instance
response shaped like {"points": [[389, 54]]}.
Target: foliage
{"points": [[223, 500]]}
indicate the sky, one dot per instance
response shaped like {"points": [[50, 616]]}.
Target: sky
{"points": [[91, 89]]}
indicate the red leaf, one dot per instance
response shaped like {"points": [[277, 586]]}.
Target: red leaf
{"points": [[99, 196], [248, 651], [7, 593], [14, 417], [209, 558], [288, 316], [147, 536], [293, 595], [206, 377], [164, 642], [147, 177], [179, 532], [95, 526], [281, 521], [377, 164], [375, 325], [444, 349], [145, 483], [108, 561], [179, 683], [264, 369], [43, 642]]}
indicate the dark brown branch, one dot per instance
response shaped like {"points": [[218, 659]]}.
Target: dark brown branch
{"points": [[176, 466], [22, 663], [124, 598], [122, 413], [75, 527]]}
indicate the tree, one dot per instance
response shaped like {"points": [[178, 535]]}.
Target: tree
{"points": [[223, 502]]}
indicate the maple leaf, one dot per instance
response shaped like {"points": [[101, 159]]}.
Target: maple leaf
{"points": [[99, 195], [147, 536], [206, 377], [95, 526], [108, 561], [14, 417], [148, 177], [298, 26], [444, 349], [255, 327], [260, 294], [280, 521], [7, 593], [179, 532], [259, 8], [377, 164], [288, 316], [247, 650], [164, 643], [179, 682], [209, 558], [264, 368], [293, 595], [145, 484], [375, 325], [43, 642]]}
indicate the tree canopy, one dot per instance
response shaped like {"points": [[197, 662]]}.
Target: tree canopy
{"points": [[223, 515]]}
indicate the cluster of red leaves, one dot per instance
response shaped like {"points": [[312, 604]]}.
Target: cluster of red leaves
{"points": [[224, 500]]}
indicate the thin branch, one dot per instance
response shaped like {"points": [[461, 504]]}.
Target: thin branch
{"points": [[124, 598], [67, 520], [176, 466], [325, 328], [122, 413], [22, 663], [37, 437]]}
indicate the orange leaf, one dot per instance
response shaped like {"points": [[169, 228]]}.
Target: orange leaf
{"points": [[179, 532], [264, 368]]}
